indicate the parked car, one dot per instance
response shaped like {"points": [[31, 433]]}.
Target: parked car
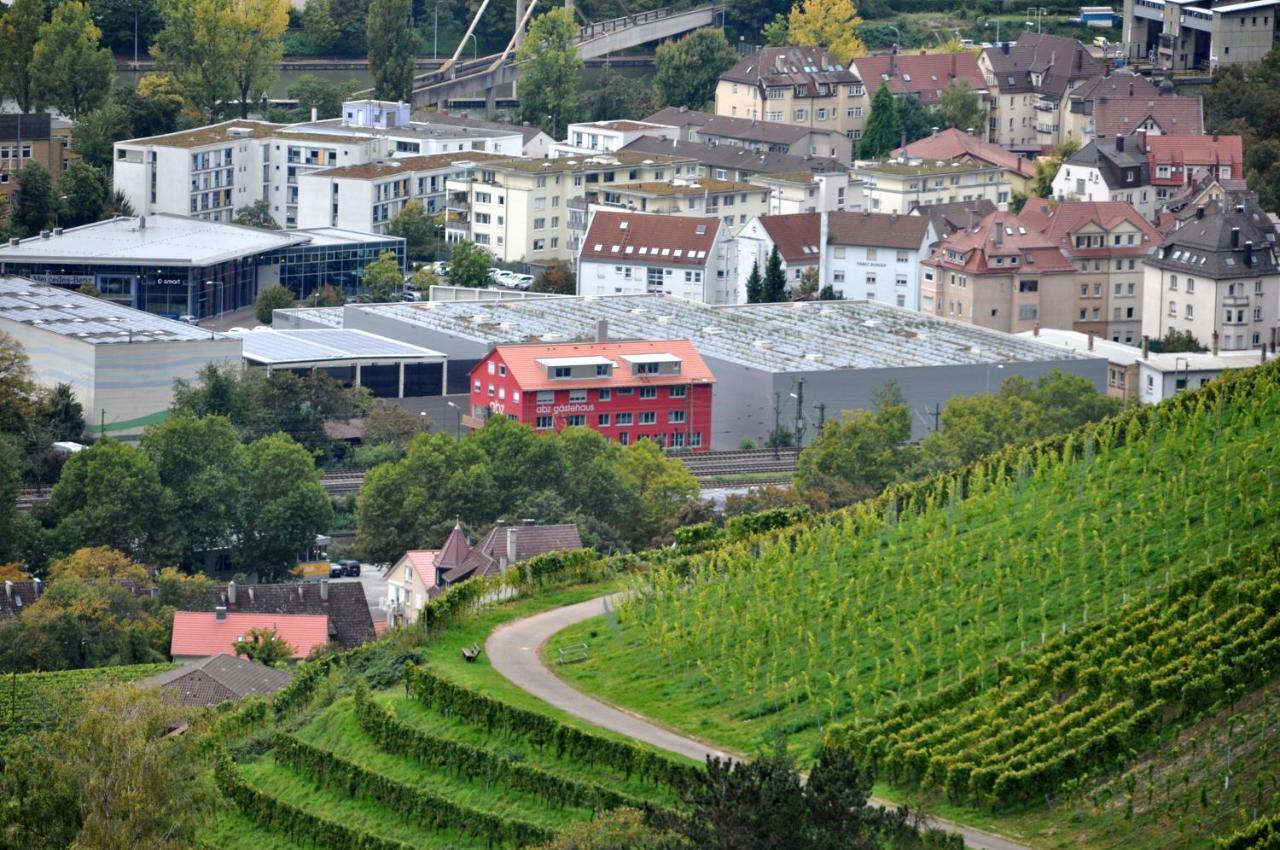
{"points": [[336, 570], [411, 295], [350, 567], [521, 281], [188, 318], [440, 267]]}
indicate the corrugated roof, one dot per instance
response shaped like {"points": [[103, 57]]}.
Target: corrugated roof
{"points": [[669, 240], [199, 633], [313, 345], [523, 363]]}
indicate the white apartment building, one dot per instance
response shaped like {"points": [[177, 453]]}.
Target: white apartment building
{"points": [[637, 254], [793, 192], [1217, 277], [212, 171], [901, 185], [608, 136], [368, 197], [535, 211], [734, 203], [1107, 170]]}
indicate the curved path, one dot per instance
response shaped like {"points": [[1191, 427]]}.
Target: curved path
{"points": [[514, 650]]}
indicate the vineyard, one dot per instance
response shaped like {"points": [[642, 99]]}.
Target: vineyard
{"points": [[34, 700], [953, 581]]}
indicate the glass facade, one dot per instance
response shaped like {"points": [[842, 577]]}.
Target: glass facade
{"points": [[306, 268]]}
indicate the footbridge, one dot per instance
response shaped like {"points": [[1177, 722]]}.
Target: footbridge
{"points": [[455, 79]]}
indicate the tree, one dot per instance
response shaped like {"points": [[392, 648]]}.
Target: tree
{"points": [[468, 265], [1177, 342], [775, 279], [326, 296], [272, 298], [321, 30], [620, 96], [97, 132], [196, 47], [832, 24], [557, 278], [883, 128], [17, 390], [807, 288], [153, 106], [415, 227], [777, 33], [286, 506], [108, 776], [550, 72], [110, 495], [1041, 185], [257, 214], [620, 829], [256, 28], [97, 563], [324, 96], [264, 646], [828, 293], [914, 119], [755, 284], [859, 453], [390, 423], [661, 485], [392, 46], [33, 202], [11, 464], [61, 415], [199, 462], [19, 32], [423, 279], [687, 69], [383, 279], [960, 107], [352, 20], [72, 70], [82, 193]]}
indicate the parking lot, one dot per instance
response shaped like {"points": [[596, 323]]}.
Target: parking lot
{"points": [[375, 587]]}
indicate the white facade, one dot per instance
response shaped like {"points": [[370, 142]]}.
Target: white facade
{"points": [[608, 136], [1087, 183], [712, 282], [1243, 313], [887, 275], [1162, 376], [818, 192]]}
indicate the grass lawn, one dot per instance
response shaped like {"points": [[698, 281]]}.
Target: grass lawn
{"points": [[234, 830]]}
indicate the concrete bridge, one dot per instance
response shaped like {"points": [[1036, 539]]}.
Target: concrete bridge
{"points": [[455, 79]]}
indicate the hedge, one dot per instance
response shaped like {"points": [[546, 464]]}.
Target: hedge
{"points": [[1261, 834], [493, 715]]}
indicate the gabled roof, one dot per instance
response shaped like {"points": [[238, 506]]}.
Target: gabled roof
{"points": [[790, 66], [18, 595], [455, 549], [924, 75], [1190, 151], [1119, 84], [423, 563], [753, 130], [989, 246], [1058, 59], [523, 363], [350, 622], [957, 215], [796, 236], [877, 230], [1203, 246], [957, 144], [1063, 220], [1119, 168], [219, 678], [1170, 113], [680, 116], [200, 633], [487, 557], [667, 240]]}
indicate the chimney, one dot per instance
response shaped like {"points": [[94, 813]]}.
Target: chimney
{"points": [[231, 593], [1213, 343], [220, 613], [314, 114], [1131, 89], [1119, 143], [1146, 347], [1035, 331], [602, 330], [1091, 340], [324, 590], [512, 537], [1235, 234], [528, 522], [8, 588], [1248, 253], [1200, 212], [1004, 48]]}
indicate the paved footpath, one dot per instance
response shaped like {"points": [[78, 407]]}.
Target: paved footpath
{"points": [[514, 651]]}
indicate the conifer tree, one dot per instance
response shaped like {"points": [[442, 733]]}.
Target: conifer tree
{"points": [[775, 279], [755, 285]]}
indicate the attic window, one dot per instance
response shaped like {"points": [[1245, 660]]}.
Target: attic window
{"points": [[700, 230], [622, 225], [598, 247]]}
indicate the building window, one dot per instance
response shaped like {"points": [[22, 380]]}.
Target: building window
{"points": [[605, 395], [546, 396], [602, 371], [544, 422], [577, 420], [624, 438], [624, 419], [577, 396], [679, 391], [561, 372], [626, 390], [648, 418], [695, 439], [602, 421], [675, 417], [648, 392], [1027, 312]]}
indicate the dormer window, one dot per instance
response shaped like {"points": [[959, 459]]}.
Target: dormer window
{"points": [[561, 372], [646, 368]]}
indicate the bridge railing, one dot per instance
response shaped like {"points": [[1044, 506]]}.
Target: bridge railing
{"points": [[600, 28]]}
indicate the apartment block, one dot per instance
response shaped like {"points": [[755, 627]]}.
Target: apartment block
{"points": [[732, 202], [925, 76], [627, 253], [901, 185], [808, 191], [953, 144], [1179, 35], [1107, 170], [753, 134], [608, 136], [1030, 82], [734, 163], [1123, 103], [39, 138], [797, 85]]}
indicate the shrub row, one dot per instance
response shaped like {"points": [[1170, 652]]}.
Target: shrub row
{"points": [[294, 823], [493, 715], [1261, 834], [425, 809], [378, 721]]}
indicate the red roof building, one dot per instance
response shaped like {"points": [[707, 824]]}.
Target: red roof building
{"points": [[923, 75], [1174, 159], [957, 144], [200, 634], [626, 390]]}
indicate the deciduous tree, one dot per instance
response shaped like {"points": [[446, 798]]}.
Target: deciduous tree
{"points": [[12, 462], [960, 107], [320, 27], [110, 495], [73, 71], [468, 265], [97, 563], [264, 646], [859, 453], [392, 44], [324, 96], [687, 69], [82, 193], [557, 279], [257, 214], [97, 132], [832, 24], [286, 506], [551, 73], [416, 228], [256, 28], [33, 202], [19, 32], [196, 47], [272, 298], [383, 279]]}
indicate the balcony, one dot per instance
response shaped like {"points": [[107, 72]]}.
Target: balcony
{"points": [[457, 218], [1235, 301], [1043, 105], [577, 203], [1048, 129]]}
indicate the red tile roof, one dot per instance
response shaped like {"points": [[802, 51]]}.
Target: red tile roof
{"points": [[667, 240], [1124, 115], [796, 235], [877, 230], [488, 555], [423, 562], [979, 246], [1190, 151], [957, 144], [522, 363], [1061, 222], [201, 633], [923, 75]]}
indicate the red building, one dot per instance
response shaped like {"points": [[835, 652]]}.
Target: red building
{"points": [[625, 390]]}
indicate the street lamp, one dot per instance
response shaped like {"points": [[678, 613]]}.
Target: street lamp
{"points": [[457, 431], [435, 33], [475, 47]]}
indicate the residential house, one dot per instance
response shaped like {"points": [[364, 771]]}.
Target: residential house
{"points": [[1173, 160], [418, 576], [637, 253], [1204, 188], [1106, 242], [1030, 82], [948, 218], [732, 202], [798, 85], [608, 136], [630, 390], [798, 238], [1122, 103], [1000, 274], [1216, 277], [366, 198], [1185, 34], [901, 185], [200, 634], [39, 138], [724, 162], [925, 76], [535, 144], [809, 191], [755, 134], [1122, 360], [18, 595], [535, 211], [217, 679], [1107, 170], [958, 146], [342, 604]]}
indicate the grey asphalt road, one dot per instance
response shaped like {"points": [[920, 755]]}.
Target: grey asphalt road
{"points": [[514, 651]]}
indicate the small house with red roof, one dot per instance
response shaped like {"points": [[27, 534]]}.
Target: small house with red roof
{"points": [[201, 634], [627, 390], [627, 253], [1174, 159], [924, 75]]}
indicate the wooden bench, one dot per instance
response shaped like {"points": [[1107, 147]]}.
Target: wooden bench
{"points": [[471, 653], [571, 653]]}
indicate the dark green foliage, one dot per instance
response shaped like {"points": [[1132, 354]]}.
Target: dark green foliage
{"points": [[688, 68], [748, 525], [1176, 342], [82, 193], [392, 45], [258, 214], [33, 202], [417, 229], [96, 132], [884, 128], [775, 279], [755, 284], [468, 265], [270, 299]]}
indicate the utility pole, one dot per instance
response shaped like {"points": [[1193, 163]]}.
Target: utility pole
{"points": [[936, 413], [777, 422], [822, 416], [799, 396]]}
